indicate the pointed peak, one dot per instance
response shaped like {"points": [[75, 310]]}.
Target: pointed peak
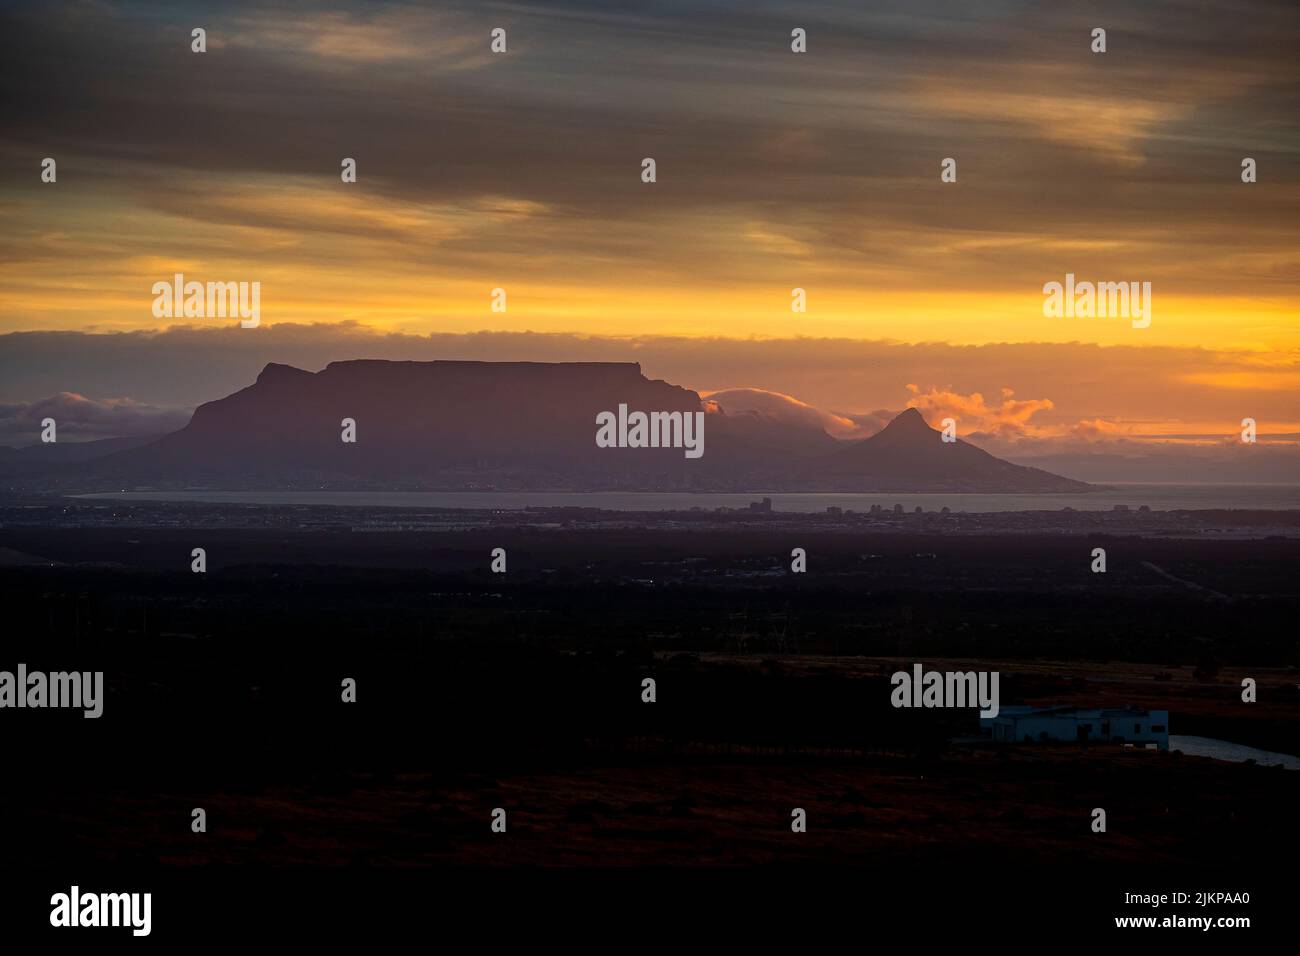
{"points": [[910, 419], [908, 427], [275, 372]]}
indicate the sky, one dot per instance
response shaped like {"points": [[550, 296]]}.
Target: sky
{"points": [[775, 170]]}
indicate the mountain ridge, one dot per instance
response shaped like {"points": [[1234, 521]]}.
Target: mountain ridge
{"points": [[454, 425]]}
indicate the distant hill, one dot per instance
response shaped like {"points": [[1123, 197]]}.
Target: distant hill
{"points": [[527, 425], [34, 459], [909, 455]]}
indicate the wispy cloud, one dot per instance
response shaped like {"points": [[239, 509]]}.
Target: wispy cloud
{"points": [[79, 418]]}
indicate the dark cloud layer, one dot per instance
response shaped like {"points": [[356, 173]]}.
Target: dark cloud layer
{"points": [[837, 149]]}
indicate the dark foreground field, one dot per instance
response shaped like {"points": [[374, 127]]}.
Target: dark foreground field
{"points": [[523, 691], [705, 806]]}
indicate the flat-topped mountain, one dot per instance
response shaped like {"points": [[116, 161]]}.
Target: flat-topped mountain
{"points": [[531, 425]]}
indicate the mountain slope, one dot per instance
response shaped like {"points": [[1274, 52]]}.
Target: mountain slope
{"points": [[526, 425], [33, 459], [909, 455], [415, 421]]}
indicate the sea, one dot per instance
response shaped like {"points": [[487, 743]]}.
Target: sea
{"points": [[1157, 497], [1226, 750]]}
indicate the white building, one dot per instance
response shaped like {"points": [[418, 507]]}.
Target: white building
{"points": [[1019, 724]]}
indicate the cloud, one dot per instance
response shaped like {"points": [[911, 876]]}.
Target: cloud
{"points": [[1098, 429], [1009, 419], [327, 38], [824, 165], [780, 407], [1127, 124], [79, 418]]}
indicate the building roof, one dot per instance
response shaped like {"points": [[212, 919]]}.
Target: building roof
{"points": [[1022, 710]]}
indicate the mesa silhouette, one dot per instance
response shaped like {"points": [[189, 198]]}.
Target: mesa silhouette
{"points": [[450, 425]]}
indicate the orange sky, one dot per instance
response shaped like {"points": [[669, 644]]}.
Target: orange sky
{"points": [[775, 170]]}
